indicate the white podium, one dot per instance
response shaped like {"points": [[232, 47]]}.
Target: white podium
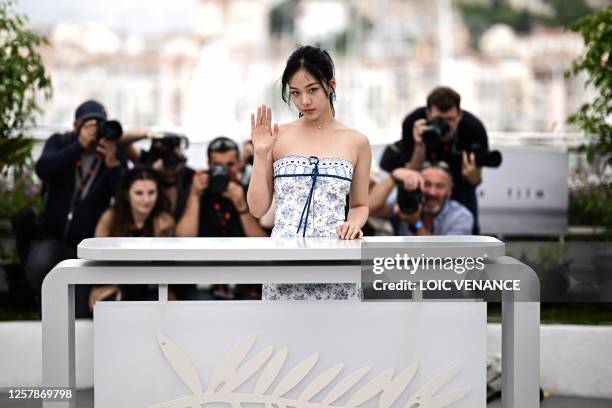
{"points": [[435, 381]]}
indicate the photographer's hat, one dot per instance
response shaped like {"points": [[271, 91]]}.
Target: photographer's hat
{"points": [[90, 110]]}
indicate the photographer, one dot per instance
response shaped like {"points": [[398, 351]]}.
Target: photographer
{"points": [[441, 131], [81, 170], [408, 179], [435, 213], [217, 206], [166, 156]]}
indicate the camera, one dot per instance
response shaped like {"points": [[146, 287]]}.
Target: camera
{"points": [[394, 156], [165, 149], [487, 158], [218, 178], [109, 130], [434, 129], [409, 201]]}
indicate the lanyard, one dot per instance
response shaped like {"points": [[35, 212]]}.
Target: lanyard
{"points": [[80, 187], [84, 179]]}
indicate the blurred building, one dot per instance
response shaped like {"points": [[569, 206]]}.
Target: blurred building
{"points": [[518, 83], [142, 81], [389, 54]]}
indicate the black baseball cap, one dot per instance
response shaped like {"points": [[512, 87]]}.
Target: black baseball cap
{"points": [[90, 110]]}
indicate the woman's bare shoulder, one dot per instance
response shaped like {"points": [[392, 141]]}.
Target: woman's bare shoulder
{"points": [[286, 135], [355, 136], [288, 127]]}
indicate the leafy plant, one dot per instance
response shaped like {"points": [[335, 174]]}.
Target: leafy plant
{"points": [[21, 189], [590, 204], [594, 117], [22, 82]]}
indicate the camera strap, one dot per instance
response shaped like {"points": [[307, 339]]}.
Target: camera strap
{"points": [[83, 183], [84, 179]]}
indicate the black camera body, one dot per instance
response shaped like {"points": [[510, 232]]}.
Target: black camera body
{"points": [[218, 178], [394, 156], [165, 149], [434, 129], [109, 130], [409, 201]]}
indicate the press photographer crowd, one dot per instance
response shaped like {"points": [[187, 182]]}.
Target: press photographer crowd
{"points": [[98, 183]]}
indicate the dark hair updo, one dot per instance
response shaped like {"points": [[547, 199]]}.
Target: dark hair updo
{"points": [[317, 63]]}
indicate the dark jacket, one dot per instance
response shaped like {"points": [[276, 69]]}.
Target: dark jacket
{"points": [[56, 168], [470, 132]]}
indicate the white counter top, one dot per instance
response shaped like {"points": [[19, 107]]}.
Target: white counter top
{"points": [[286, 249]]}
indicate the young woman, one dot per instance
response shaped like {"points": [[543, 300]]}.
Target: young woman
{"points": [[310, 166], [140, 210]]}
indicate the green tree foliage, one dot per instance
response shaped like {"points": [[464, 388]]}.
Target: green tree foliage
{"points": [[590, 203], [567, 11], [282, 18], [23, 80], [594, 118], [479, 17]]}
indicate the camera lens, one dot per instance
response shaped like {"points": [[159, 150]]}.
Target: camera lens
{"points": [[171, 160], [434, 130], [110, 130], [408, 201], [219, 178]]}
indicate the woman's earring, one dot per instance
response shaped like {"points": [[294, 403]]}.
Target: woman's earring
{"points": [[333, 96]]}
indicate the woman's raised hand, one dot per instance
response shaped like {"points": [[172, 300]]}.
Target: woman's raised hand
{"points": [[262, 133]]}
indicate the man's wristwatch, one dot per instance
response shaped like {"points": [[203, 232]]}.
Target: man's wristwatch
{"points": [[417, 226]]}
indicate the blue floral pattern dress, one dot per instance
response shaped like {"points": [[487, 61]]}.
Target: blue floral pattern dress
{"points": [[310, 196]]}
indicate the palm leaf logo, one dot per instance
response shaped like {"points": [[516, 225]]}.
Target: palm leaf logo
{"points": [[233, 371]]}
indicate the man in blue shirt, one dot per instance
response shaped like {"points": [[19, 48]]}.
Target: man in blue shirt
{"points": [[424, 206]]}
